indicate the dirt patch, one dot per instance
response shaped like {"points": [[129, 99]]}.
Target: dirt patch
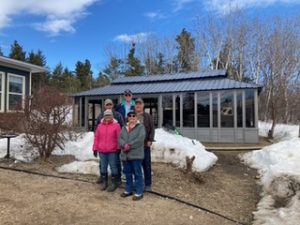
{"points": [[229, 188]]}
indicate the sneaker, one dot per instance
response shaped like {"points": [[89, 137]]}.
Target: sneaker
{"points": [[126, 194], [148, 188], [137, 197]]}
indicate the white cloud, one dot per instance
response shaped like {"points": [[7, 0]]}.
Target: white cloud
{"points": [[154, 15], [133, 38], [179, 4], [58, 15], [227, 6]]}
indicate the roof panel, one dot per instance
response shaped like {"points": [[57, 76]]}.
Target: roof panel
{"points": [[170, 77], [173, 86]]}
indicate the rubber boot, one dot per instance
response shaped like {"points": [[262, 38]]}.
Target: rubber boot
{"points": [[99, 181], [104, 183], [114, 184]]}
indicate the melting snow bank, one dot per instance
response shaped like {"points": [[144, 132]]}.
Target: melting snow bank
{"points": [[168, 148], [173, 148], [282, 132], [86, 167], [19, 149], [278, 165]]}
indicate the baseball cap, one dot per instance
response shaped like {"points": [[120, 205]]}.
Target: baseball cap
{"points": [[127, 91], [107, 112], [139, 100], [108, 101]]}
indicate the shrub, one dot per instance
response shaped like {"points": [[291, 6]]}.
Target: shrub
{"points": [[45, 120]]}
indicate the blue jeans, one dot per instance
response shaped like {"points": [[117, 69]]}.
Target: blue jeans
{"points": [[133, 169], [110, 159]]}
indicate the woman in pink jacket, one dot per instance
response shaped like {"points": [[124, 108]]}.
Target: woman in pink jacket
{"points": [[106, 144]]}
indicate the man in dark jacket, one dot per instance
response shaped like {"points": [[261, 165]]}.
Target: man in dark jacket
{"points": [[147, 120], [127, 105], [108, 105]]}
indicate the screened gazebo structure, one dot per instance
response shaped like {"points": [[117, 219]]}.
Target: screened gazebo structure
{"points": [[207, 106]]}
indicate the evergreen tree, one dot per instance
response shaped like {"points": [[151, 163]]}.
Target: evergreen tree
{"points": [[57, 78], [70, 83], [113, 69], [101, 81], [38, 80], [160, 63], [37, 58], [187, 58], [134, 67], [16, 52], [84, 74], [1, 53]]}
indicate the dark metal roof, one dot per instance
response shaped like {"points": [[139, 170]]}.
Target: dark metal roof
{"points": [[172, 77], [169, 87]]}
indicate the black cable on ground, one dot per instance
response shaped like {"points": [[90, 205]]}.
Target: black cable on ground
{"points": [[151, 192]]}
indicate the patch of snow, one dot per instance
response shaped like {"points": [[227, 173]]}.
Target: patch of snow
{"points": [[173, 148], [282, 132], [278, 166], [81, 148], [86, 167], [19, 149]]}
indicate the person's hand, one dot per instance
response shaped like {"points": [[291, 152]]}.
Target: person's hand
{"points": [[126, 147], [149, 143], [95, 154]]}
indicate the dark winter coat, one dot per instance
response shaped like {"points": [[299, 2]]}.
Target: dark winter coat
{"points": [[121, 108], [149, 127]]}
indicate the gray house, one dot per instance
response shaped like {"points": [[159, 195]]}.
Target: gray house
{"points": [[204, 105], [15, 82]]}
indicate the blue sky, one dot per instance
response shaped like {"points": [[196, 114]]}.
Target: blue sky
{"points": [[71, 30]]}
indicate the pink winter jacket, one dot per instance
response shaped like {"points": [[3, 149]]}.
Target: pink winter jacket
{"points": [[106, 137]]}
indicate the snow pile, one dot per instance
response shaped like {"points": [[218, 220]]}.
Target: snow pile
{"points": [[172, 148], [19, 149], [168, 148], [278, 165], [86, 167], [282, 132], [81, 148]]}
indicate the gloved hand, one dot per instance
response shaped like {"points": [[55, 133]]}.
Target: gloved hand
{"points": [[126, 147], [95, 154]]}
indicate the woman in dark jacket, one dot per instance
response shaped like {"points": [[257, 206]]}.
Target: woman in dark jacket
{"points": [[131, 142]]}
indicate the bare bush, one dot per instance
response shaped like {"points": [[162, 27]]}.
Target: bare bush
{"points": [[11, 122], [45, 120]]}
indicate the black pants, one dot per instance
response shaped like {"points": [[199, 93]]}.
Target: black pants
{"points": [[147, 167]]}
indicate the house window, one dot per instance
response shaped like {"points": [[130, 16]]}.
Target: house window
{"points": [[16, 91], [227, 109], [188, 110], [250, 118], [1, 92], [203, 106], [239, 108], [215, 109], [167, 107]]}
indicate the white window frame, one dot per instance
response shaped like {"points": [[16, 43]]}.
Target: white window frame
{"points": [[9, 75], [2, 75]]}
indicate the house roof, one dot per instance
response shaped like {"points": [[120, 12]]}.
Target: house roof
{"points": [[215, 80], [16, 64]]}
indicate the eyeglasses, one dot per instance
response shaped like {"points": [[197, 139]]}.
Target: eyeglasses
{"points": [[108, 104], [131, 115], [127, 95]]}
